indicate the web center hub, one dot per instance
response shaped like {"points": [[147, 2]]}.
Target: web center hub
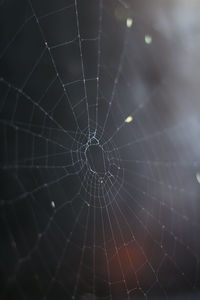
{"points": [[96, 158]]}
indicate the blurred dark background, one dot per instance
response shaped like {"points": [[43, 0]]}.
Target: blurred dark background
{"points": [[91, 83]]}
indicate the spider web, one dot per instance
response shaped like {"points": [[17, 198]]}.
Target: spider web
{"points": [[99, 153]]}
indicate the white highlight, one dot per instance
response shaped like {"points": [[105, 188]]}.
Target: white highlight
{"points": [[198, 177], [129, 119], [148, 39], [129, 22]]}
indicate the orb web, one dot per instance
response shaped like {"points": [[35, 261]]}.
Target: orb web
{"points": [[99, 150]]}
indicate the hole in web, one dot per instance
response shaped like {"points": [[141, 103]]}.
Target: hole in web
{"points": [[96, 158]]}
